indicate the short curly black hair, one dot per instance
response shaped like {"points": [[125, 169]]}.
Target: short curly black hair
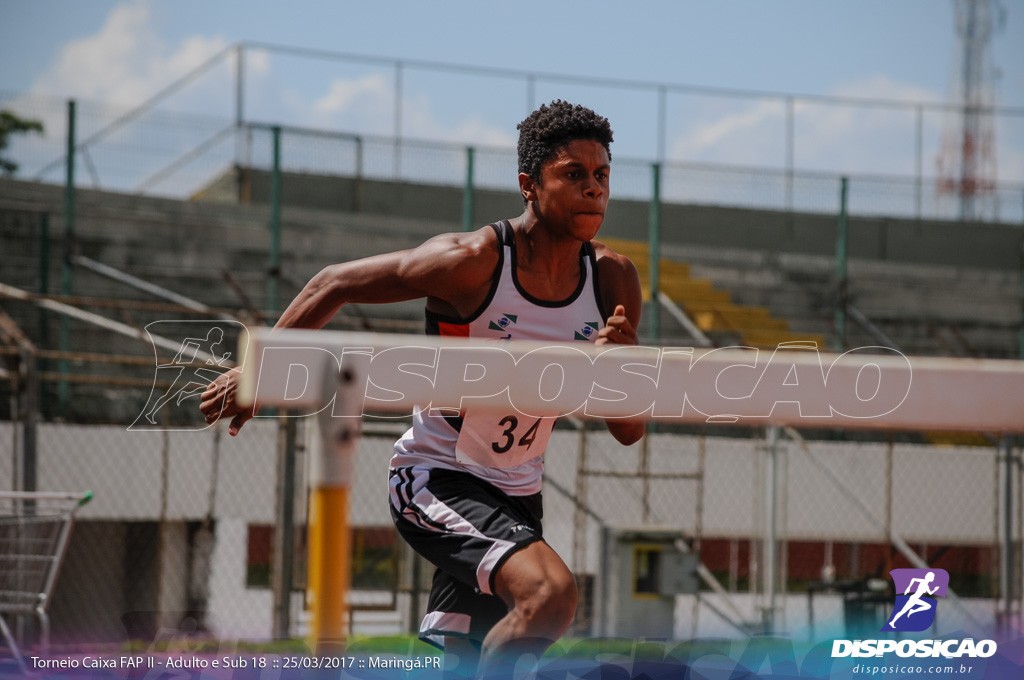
{"points": [[549, 128]]}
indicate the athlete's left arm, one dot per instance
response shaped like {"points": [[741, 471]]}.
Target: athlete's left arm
{"points": [[620, 292]]}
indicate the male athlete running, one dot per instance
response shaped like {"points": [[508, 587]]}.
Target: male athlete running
{"points": [[465, 491]]}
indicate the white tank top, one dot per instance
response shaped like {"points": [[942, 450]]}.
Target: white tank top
{"points": [[505, 450]]}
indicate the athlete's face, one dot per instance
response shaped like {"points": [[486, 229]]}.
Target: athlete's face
{"points": [[573, 192]]}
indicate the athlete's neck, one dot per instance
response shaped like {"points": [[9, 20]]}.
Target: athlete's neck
{"points": [[545, 249]]}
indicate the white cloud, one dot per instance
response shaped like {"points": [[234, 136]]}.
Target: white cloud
{"points": [[732, 137], [363, 104], [366, 105], [1011, 165], [126, 62], [839, 138], [119, 67], [883, 87]]}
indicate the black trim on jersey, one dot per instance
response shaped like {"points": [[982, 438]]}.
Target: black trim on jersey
{"points": [[511, 242], [597, 282], [433, 319]]}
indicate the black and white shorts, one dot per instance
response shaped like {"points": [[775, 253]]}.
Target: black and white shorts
{"points": [[467, 528]]}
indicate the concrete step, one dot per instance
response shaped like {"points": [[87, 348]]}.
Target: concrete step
{"points": [[639, 253], [713, 316]]}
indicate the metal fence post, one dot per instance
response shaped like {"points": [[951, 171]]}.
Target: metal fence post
{"points": [[531, 92], [467, 192], [771, 529], [919, 156], [358, 200], [42, 365], [275, 223], [284, 532], [63, 389], [44, 256], [1007, 570], [239, 98], [1020, 340], [1012, 461], [841, 254], [654, 245], [790, 152], [29, 460], [662, 118], [398, 120]]}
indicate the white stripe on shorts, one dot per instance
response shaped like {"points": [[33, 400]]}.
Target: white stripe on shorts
{"points": [[422, 501], [436, 625]]}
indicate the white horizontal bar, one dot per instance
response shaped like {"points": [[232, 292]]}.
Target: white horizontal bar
{"points": [[867, 388]]}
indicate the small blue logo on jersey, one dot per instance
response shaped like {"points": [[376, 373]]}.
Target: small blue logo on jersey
{"points": [[503, 323], [587, 331], [914, 610]]}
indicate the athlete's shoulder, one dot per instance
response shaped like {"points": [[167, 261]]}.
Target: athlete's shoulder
{"points": [[452, 266], [480, 243], [463, 253], [614, 265]]}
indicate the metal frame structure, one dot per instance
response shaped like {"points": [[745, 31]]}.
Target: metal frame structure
{"points": [[34, 532]]}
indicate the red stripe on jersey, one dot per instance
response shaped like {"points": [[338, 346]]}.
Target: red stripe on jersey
{"points": [[453, 330]]}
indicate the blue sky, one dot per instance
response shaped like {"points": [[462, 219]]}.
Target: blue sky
{"points": [[125, 51]]}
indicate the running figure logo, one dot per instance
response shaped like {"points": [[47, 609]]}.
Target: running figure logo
{"points": [[200, 357], [914, 610]]}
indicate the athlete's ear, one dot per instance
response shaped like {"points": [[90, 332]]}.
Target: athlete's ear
{"points": [[527, 187]]}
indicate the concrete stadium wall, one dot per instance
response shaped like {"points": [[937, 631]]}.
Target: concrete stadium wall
{"points": [[972, 244]]}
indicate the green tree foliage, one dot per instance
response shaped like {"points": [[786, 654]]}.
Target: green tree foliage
{"points": [[11, 124]]}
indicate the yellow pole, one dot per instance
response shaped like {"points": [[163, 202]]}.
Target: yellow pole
{"points": [[332, 452], [330, 571]]}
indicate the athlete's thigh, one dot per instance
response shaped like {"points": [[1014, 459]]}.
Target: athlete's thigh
{"points": [[463, 525]]}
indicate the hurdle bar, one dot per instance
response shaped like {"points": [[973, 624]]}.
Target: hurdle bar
{"points": [[873, 388], [340, 376]]}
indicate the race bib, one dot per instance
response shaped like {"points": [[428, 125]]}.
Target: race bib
{"points": [[496, 441]]}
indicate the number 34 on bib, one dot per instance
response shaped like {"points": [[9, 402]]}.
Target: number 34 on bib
{"points": [[496, 441]]}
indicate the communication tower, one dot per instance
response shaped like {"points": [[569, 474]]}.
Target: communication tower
{"points": [[967, 162]]}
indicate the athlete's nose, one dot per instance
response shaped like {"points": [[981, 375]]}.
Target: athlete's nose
{"points": [[592, 188]]}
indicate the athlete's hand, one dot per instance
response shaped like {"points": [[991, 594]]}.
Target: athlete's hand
{"points": [[618, 330], [219, 402]]}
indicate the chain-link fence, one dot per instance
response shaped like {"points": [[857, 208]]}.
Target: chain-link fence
{"points": [[181, 530], [846, 513]]}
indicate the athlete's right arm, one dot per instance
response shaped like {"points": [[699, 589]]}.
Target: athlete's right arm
{"points": [[450, 268], [445, 268]]}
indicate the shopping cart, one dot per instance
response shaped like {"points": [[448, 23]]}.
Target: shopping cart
{"points": [[34, 532]]}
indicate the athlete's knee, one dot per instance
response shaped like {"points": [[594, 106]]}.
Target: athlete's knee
{"points": [[539, 590], [550, 604], [564, 598]]}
